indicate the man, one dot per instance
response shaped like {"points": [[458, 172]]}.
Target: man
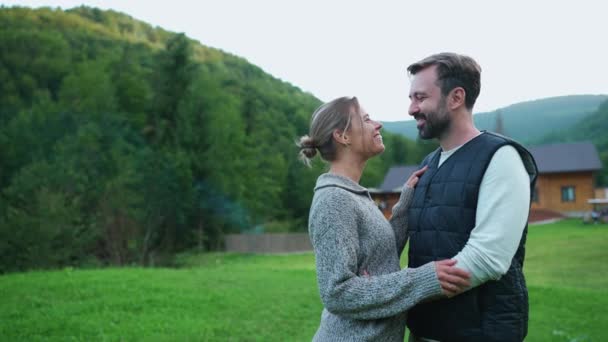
{"points": [[472, 204]]}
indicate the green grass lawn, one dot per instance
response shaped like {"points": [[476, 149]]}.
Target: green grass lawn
{"points": [[566, 268], [227, 297]]}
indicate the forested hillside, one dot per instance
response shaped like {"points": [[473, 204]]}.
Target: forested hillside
{"points": [[525, 121], [123, 143]]}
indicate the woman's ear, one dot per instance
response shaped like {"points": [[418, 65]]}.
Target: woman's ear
{"points": [[341, 137]]}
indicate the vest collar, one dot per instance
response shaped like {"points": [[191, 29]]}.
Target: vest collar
{"points": [[454, 149], [434, 161]]}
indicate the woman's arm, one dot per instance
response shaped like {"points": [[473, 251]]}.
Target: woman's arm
{"points": [[399, 219], [333, 231]]}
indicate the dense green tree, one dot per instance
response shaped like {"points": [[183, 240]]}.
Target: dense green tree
{"points": [[132, 85], [88, 89], [31, 61], [43, 225], [174, 79]]}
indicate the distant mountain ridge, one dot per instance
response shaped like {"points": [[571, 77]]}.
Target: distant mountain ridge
{"points": [[525, 121]]}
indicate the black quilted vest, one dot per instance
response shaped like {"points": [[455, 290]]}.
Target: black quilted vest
{"points": [[441, 218]]}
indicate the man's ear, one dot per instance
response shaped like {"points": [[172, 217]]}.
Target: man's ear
{"points": [[456, 98], [341, 137]]}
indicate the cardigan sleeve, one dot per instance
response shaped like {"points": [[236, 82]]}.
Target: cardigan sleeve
{"points": [[333, 231], [399, 218]]}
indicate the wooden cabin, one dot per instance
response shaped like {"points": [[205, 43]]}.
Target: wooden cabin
{"points": [[566, 177]]}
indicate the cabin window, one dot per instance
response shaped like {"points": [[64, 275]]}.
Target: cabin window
{"points": [[568, 194]]}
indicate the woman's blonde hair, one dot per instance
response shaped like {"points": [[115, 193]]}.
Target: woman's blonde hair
{"points": [[330, 116]]}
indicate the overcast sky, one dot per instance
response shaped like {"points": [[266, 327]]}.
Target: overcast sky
{"points": [[527, 49]]}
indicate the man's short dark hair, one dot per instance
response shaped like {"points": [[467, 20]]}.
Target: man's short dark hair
{"points": [[453, 70]]}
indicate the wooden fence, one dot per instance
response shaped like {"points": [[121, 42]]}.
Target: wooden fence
{"points": [[268, 243]]}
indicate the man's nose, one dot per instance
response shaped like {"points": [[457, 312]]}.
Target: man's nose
{"points": [[413, 109]]}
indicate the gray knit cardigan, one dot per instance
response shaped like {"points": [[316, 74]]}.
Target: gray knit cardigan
{"points": [[364, 291]]}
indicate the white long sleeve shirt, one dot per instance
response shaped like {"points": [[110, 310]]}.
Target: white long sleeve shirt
{"points": [[502, 211]]}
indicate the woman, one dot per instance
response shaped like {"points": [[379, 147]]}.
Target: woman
{"points": [[363, 289]]}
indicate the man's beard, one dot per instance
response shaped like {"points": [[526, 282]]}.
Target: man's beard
{"points": [[436, 122]]}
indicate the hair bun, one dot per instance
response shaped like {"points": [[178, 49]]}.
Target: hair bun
{"points": [[308, 149], [306, 142], [309, 152]]}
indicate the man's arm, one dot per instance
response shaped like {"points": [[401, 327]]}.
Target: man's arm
{"points": [[502, 211]]}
